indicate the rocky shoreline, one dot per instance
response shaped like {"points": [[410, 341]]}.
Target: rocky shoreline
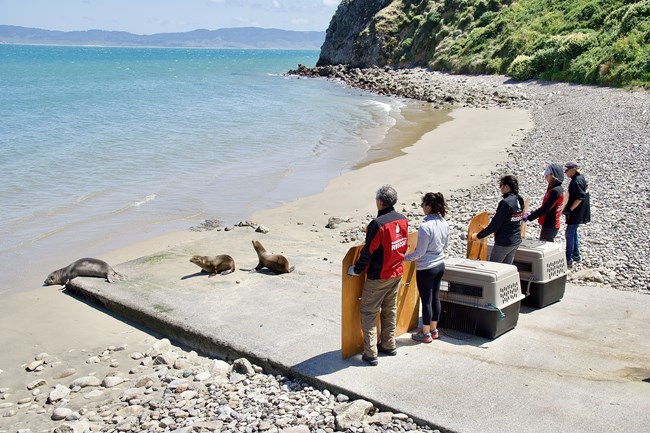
{"points": [[162, 388], [607, 131]]}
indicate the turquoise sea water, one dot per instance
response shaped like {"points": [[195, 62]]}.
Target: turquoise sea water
{"points": [[101, 147]]}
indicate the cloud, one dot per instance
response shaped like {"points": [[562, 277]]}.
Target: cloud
{"points": [[276, 4], [331, 3]]}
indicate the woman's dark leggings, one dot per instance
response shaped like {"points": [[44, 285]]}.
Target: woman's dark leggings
{"points": [[429, 287]]}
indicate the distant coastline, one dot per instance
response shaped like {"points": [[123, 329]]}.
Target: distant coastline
{"points": [[236, 38]]}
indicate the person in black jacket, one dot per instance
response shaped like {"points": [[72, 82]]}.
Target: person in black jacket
{"points": [[506, 222], [577, 211], [550, 211]]}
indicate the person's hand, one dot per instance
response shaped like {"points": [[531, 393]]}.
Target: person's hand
{"points": [[526, 215], [473, 237], [351, 272]]}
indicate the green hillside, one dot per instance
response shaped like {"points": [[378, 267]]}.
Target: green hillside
{"points": [[604, 42]]}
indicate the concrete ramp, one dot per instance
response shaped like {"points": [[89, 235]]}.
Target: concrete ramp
{"points": [[579, 365]]}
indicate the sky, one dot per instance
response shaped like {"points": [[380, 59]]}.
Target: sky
{"points": [[145, 17]]}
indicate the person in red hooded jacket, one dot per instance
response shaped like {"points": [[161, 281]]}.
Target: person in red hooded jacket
{"points": [[550, 212]]}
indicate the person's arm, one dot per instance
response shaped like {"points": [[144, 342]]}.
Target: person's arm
{"points": [[575, 204], [421, 247], [546, 205], [497, 220], [366, 252]]}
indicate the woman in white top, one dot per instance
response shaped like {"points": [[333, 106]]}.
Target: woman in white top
{"points": [[433, 238]]}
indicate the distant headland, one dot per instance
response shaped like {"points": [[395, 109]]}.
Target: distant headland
{"points": [[237, 37]]}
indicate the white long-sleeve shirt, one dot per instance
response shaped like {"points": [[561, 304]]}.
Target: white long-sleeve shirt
{"points": [[433, 238]]}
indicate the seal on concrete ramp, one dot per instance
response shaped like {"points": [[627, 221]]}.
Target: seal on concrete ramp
{"points": [[275, 262], [222, 264], [86, 267]]}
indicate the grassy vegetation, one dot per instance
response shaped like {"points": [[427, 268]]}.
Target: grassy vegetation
{"points": [[604, 42]]}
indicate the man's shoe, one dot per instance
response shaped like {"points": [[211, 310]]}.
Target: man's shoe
{"points": [[388, 352], [369, 360]]}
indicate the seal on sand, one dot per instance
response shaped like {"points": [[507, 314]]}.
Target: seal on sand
{"points": [[86, 267], [213, 265], [275, 262]]}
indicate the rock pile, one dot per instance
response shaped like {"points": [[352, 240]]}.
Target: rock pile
{"points": [[441, 90], [165, 389]]}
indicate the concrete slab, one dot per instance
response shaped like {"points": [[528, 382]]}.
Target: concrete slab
{"points": [[579, 365]]}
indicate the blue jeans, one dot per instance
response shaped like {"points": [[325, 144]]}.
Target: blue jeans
{"points": [[572, 248]]}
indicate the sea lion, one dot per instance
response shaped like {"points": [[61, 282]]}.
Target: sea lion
{"points": [[275, 262], [213, 265], [86, 267]]}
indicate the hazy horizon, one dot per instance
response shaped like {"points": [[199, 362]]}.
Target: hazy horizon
{"points": [[147, 17]]}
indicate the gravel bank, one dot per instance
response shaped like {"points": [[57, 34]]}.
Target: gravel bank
{"points": [[607, 131], [162, 388]]}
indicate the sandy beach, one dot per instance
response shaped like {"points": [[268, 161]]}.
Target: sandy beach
{"points": [[459, 153]]}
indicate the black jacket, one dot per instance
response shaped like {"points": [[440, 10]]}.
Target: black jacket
{"points": [[506, 222], [578, 191]]}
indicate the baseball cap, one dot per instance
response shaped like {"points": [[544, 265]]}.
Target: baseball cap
{"points": [[570, 165]]}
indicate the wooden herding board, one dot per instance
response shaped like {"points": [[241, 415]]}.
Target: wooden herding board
{"points": [[477, 250], [524, 224], [408, 301]]}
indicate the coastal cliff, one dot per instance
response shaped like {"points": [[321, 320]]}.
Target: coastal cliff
{"points": [[604, 42]]}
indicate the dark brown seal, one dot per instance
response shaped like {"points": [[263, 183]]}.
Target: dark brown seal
{"points": [[222, 264], [275, 262], [86, 267]]}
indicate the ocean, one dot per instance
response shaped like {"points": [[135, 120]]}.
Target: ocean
{"points": [[103, 147]]}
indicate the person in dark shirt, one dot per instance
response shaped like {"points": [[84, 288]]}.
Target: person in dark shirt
{"points": [[506, 222], [577, 211], [550, 211], [382, 257]]}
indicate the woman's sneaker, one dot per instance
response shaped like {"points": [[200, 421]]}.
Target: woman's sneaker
{"points": [[435, 334], [422, 337]]}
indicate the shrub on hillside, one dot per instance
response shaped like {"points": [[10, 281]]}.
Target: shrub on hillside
{"points": [[522, 68]]}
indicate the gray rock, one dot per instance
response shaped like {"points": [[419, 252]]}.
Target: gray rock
{"points": [[350, 413], [160, 346], [111, 381], [60, 413], [65, 373], [58, 393], [204, 375], [243, 366], [94, 394], [34, 365], [85, 381], [262, 229], [296, 429], [36, 383]]}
